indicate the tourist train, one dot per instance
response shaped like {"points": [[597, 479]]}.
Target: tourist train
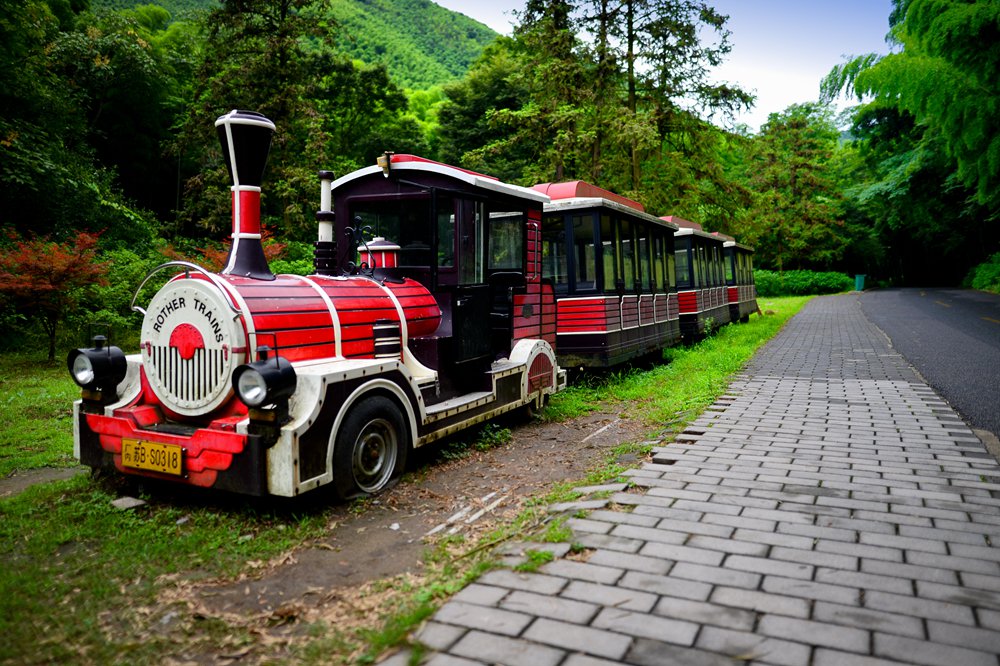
{"points": [[441, 298]]}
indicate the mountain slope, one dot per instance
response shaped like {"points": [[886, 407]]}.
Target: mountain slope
{"points": [[422, 44]]}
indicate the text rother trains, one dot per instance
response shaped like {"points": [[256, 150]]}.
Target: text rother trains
{"points": [[441, 298]]}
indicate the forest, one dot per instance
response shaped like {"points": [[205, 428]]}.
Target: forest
{"points": [[109, 164]]}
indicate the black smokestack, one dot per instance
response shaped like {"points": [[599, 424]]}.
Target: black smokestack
{"points": [[246, 141]]}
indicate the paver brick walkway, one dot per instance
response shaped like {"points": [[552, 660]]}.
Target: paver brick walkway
{"points": [[830, 510]]}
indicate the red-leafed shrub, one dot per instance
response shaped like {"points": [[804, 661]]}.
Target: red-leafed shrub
{"points": [[46, 281], [213, 255]]}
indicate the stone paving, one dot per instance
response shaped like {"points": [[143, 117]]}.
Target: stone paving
{"points": [[831, 509]]}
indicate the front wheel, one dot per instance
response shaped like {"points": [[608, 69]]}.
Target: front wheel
{"points": [[371, 447]]}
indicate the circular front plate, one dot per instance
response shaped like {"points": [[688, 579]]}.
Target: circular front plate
{"points": [[192, 341]]}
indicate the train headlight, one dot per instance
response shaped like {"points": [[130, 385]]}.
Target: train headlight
{"points": [[82, 369], [266, 381], [251, 387], [100, 368]]}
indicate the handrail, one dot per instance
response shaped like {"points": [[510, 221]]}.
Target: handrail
{"points": [[188, 267]]}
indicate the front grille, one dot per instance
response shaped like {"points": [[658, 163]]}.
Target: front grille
{"points": [[189, 383]]}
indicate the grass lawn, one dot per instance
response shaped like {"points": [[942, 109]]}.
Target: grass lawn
{"points": [[36, 413], [77, 576], [676, 392]]}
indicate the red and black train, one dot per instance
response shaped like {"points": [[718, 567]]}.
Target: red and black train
{"points": [[441, 298]]}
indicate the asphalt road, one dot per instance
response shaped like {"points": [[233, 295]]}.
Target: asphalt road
{"points": [[952, 337]]}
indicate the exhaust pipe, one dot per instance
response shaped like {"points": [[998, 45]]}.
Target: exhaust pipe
{"points": [[246, 141], [325, 248]]}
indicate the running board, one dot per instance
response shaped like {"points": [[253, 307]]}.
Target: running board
{"points": [[461, 403]]}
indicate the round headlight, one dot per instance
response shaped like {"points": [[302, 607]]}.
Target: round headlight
{"points": [[251, 387], [82, 370], [100, 368], [268, 380]]}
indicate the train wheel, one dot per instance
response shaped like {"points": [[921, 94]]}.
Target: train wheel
{"points": [[370, 453]]}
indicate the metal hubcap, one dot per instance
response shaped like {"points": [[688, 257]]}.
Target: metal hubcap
{"points": [[374, 456]]}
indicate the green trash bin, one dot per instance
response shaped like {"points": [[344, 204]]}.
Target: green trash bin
{"points": [[859, 282]]}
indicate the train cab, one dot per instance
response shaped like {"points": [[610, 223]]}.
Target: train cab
{"points": [[740, 290], [701, 285], [468, 239], [611, 266]]}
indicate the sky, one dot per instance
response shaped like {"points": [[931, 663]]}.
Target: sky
{"points": [[781, 48]]}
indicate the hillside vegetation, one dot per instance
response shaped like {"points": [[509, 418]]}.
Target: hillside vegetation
{"points": [[179, 9], [420, 43]]}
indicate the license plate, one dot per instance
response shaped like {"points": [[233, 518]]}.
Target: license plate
{"points": [[152, 456]]}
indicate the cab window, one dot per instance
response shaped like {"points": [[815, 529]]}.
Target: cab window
{"points": [[555, 263], [506, 244]]}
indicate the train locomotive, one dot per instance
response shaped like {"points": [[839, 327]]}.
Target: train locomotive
{"points": [[440, 298], [426, 315]]}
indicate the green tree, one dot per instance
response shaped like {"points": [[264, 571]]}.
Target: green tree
{"points": [[554, 75], [663, 52], [470, 134], [265, 56], [39, 151], [126, 73], [794, 218], [604, 90], [929, 136], [947, 76], [51, 181], [929, 226], [364, 113]]}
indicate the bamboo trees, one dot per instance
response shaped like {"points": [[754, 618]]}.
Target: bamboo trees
{"points": [[929, 132]]}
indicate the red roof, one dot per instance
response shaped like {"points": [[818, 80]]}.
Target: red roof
{"points": [[682, 223], [580, 188]]}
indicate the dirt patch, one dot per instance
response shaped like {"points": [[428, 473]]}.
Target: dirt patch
{"points": [[388, 536], [339, 579], [20, 481]]}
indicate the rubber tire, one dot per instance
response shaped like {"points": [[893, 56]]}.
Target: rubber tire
{"points": [[375, 425]]}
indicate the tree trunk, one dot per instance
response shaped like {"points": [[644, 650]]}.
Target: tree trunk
{"points": [[50, 330], [632, 104], [603, 47]]}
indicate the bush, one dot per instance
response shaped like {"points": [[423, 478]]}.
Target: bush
{"points": [[297, 259], [800, 283], [985, 276], [110, 303]]}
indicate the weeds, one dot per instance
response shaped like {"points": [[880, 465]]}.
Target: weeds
{"points": [[488, 436], [557, 532], [492, 436], [535, 559], [70, 558]]}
